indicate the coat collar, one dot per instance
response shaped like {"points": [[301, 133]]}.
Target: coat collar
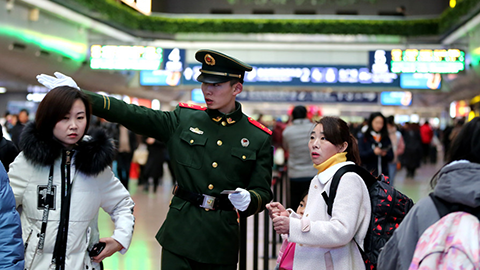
{"points": [[226, 119], [93, 154], [326, 175]]}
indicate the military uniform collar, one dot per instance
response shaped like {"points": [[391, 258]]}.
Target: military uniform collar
{"points": [[226, 119]]}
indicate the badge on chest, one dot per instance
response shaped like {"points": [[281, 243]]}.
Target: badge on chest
{"points": [[44, 198]]}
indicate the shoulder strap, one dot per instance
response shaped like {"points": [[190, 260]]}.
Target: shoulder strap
{"points": [[364, 174], [444, 208]]}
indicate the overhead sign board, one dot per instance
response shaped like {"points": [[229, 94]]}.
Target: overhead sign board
{"points": [[398, 98], [306, 75], [125, 57], [431, 81], [427, 61], [308, 96], [136, 58]]}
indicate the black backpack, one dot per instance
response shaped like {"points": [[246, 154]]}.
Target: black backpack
{"points": [[389, 207]]}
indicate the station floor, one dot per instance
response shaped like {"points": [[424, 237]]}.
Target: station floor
{"points": [[151, 209]]}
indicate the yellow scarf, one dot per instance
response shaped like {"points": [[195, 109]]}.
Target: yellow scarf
{"points": [[335, 159]]}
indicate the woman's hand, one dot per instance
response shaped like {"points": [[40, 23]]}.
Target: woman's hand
{"points": [[377, 151], [281, 224], [111, 247], [276, 209]]}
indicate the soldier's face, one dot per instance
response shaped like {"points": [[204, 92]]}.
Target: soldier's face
{"points": [[320, 148], [219, 96]]}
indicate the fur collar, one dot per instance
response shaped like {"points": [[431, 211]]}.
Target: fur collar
{"points": [[92, 154]]}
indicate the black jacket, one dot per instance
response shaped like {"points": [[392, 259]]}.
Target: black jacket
{"points": [[8, 151]]}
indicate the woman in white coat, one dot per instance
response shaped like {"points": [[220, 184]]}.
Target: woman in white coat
{"points": [[60, 181], [324, 241]]}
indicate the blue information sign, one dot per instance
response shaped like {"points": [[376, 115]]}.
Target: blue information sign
{"points": [[306, 75]]}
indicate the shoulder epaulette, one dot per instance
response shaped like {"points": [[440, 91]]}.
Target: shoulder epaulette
{"points": [[192, 106], [259, 125]]}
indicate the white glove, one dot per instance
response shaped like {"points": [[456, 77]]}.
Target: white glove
{"points": [[240, 200], [59, 80]]}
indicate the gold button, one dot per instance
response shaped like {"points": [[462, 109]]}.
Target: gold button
{"points": [[210, 186], [206, 209], [219, 143], [191, 141], [315, 186], [214, 164], [306, 215], [244, 157], [224, 123]]}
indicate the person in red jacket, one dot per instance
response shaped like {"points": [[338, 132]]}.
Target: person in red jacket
{"points": [[426, 133]]}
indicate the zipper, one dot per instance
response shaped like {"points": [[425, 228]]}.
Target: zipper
{"points": [[68, 158], [26, 241]]}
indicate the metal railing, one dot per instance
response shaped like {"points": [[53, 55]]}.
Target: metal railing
{"points": [[270, 238]]}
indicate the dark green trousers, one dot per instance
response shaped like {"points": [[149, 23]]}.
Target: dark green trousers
{"points": [[172, 261]]}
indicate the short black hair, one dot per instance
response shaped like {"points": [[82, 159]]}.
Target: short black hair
{"points": [[299, 112]]}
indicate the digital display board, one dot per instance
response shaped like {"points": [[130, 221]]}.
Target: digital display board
{"points": [[169, 73], [160, 78], [420, 81], [427, 61], [396, 98], [306, 75], [308, 96], [125, 57]]}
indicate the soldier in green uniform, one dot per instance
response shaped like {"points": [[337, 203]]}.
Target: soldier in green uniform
{"points": [[222, 160]]}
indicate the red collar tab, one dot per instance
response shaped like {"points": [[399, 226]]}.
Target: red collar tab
{"points": [[259, 125], [192, 106]]}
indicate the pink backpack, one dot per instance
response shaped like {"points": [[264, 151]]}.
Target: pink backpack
{"points": [[453, 242]]}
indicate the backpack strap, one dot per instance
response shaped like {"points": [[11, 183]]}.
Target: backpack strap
{"points": [[367, 177], [444, 208]]}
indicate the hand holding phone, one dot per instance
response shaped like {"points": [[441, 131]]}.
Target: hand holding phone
{"points": [[96, 249]]}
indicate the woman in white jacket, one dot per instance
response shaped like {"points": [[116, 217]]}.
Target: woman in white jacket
{"points": [[60, 181], [324, 241]]}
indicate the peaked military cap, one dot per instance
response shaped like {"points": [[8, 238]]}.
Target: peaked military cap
{"points": [[218, 67]]}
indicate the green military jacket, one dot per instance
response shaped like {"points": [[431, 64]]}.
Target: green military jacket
{"points": [[210, 152]]}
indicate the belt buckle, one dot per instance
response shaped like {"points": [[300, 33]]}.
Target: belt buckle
{"points": [[208, 201]]}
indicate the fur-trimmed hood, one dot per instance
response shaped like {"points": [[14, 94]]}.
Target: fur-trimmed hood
{"points": [[92, 154]]}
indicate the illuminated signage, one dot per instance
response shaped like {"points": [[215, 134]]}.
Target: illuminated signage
{"points": [[160, 77], [143, 6], [459, 109], [308, 96], [427, 61], [396, 98], [125, 57], [306, 75], [420, 81]]}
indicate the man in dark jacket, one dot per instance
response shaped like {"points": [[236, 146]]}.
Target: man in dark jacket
{"points": [[16, 131], [8, 151]]}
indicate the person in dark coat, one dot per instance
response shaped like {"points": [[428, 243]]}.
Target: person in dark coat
{"points": [[8, 151], [412, 156], [16, 131], [154, 166], [375, 145], [126, 143]]}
